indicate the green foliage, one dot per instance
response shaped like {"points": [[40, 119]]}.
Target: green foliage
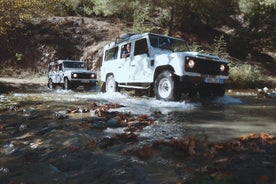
{"points": [[220, 47], [259, 16], [16, 11], [70, 6], [246, 75], [195, 47]]}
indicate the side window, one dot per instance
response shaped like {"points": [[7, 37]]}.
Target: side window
{"points": [[111, 54], [125, 50], [141, 47]]}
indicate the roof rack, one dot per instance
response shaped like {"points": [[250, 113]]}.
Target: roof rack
{"points": [[124, 37]]}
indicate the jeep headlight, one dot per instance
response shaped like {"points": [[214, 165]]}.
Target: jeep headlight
{"points": [[222, 67], [75, 75], [191, 63], [93, 75]]}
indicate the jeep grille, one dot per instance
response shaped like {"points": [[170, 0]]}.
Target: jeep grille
{"points": [[207, 67], [83, 76]]}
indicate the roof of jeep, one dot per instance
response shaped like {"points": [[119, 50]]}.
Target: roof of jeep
{"points": [[63, 60], [130, 36]]}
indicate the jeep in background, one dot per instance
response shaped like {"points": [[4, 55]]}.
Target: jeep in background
{"points": [[162, 66], [70, 74]]}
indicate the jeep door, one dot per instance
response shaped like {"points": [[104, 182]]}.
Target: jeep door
{"points": [[140, 67], [54, 74], [122, 74]]}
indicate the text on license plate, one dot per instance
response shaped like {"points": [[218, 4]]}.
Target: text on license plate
{"points": [[85, 81], [213, 80]]}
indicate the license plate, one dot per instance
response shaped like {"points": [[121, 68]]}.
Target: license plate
{"points": [[213, 80], [85, 81]]}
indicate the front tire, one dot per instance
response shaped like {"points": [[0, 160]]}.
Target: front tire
{"points": [[66, 84], [50, 84], [111, 85], [166, 87]]}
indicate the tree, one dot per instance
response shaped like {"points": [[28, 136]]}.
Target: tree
{"points": [[12, 13], [260, 16]]}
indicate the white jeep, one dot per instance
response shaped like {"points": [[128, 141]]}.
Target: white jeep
{"points": [[162, 66], [70, 74]]}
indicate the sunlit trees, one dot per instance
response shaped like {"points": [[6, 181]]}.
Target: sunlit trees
{"points": [[12, 12]]}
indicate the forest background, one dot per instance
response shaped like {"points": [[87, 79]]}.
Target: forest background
{"points": [[35, 32]]}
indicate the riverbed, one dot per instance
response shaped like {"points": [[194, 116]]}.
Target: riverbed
{"points": [[64, 136]]}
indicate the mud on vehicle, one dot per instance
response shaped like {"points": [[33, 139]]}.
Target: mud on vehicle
{"points": [[161, 66], [70, 74]]}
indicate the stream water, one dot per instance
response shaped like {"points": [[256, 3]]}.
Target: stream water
{"points": [[38, 147]]}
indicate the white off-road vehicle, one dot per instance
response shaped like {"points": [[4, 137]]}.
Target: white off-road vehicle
{"points": [[70, 74], [162, 66]]}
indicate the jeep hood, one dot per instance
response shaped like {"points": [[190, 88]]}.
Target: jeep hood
{"points": [[204, 56], [78, 70]]}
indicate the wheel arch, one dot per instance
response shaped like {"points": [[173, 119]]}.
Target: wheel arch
{"points": [[160, 69], [66, 77], [108, 74]]}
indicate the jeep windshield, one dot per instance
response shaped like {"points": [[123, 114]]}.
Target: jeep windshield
{"points": [[168, 43], [74, 64]]}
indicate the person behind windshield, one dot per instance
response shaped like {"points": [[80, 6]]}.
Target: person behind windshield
{"points": [[126, 51]]}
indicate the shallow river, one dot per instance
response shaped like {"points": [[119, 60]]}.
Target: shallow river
{"points": [[39, 145]]}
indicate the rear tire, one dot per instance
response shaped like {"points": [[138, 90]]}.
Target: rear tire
{"points": [[166, 87]]}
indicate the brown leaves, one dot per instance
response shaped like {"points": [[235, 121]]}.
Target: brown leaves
{"points": [[145, 152], [188, 145], [100, 111], [193, 147], [249, 143], [263, 137]]}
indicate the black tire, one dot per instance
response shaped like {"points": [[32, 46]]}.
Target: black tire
{"points": [[50, 84], [111, 85], [166, 87], [67, 84], [103, 88]]}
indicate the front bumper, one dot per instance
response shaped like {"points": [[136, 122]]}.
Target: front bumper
{"points": [[204, 79], [84, 81]]}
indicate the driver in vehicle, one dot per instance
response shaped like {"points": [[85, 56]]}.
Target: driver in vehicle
{"points": [[126, 51]]}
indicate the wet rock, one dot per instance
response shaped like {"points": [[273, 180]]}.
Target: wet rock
{"points": [[61, 115], [272, 95], [127, 137], [93, 119], [7, 149], [15, 107], [113, 123], [78, 110], [266, 93], [35, 114], [106, 142], [22, 127], [47, 129], [54, 169], [4, 171], [262, 95], [99, 125]]}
